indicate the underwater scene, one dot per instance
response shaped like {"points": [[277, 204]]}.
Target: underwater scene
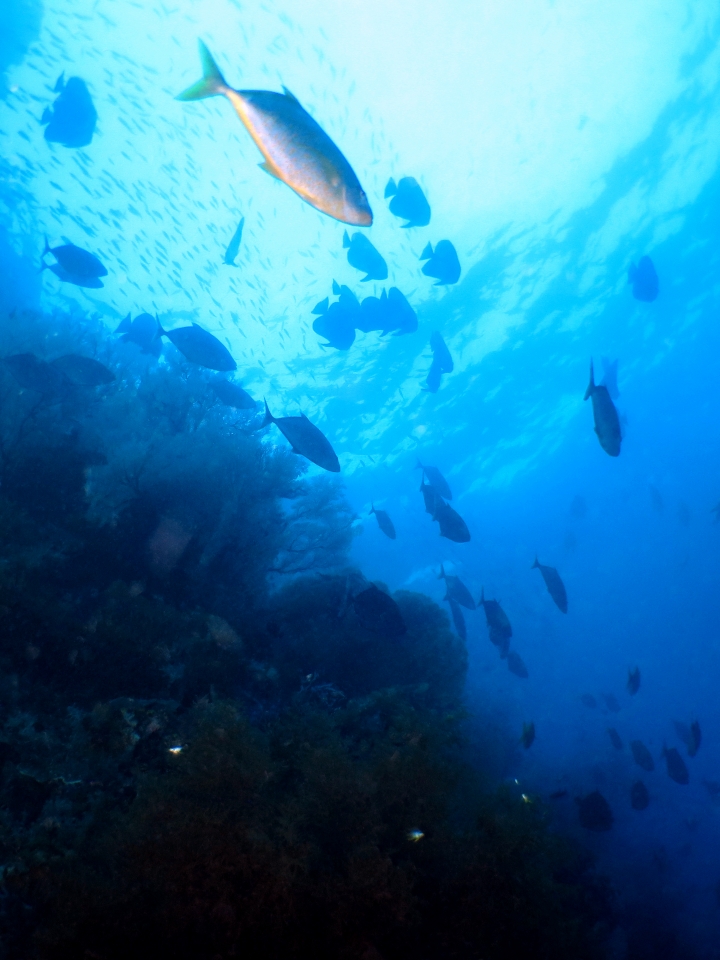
{"points": [[359, 480]]}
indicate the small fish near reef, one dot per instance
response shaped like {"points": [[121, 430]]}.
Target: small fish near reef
{"points": [[594, 812], [455, 589], [408, 202], [200, 347], [72, 118], [644, 280], [234, 246], [384, 522], [607, 422], [74, 265], [364, 256], [442, 263], [633, 681], [555, 586], [142, 331], [305, 439], [527, 737], [296, 149]]}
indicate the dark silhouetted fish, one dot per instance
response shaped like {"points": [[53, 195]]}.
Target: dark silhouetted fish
{"points": [[656, 500], [528, 735], [429, 496], [555, 586], [408, 202], [72, 118], [378, 612], [641, 755], [363, 256], [442, 362], [199, 346], [142, 331], [84, 371], [498, 624], [615, 738], [90, 283], [559, 795], [611, 702], [234, 245], [644, 280], [442, 262], [337, 321], [452, 525], [516, 665], [588, 700], [594, 812], [639, 796], [436, 480], [676, 768], [609, 380], [75, 261], [633, 681], [388, 313], [456, 590], [305, 439], [384, 522], [296, 149], [607, 423], [695, 739], [232, 394], [35, 374], [458, 619]]}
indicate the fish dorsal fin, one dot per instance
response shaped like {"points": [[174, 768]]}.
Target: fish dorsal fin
{"points": [[265, 166], [320, 308], [346, 240], [427, 252], [336, 288], [441, 575], [59, 83], [291, 96], [125, 325], [391, 188]]}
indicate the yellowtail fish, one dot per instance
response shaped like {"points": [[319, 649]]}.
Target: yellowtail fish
{"points": [[296, 149]]}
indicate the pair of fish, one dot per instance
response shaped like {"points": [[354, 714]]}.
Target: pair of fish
{"points": [[442, 263], [408, 202], [74, 265], [295, 148], [644, 280], [442, 362], [57, 378], [555, 586], [72, 118], [195, 343], [435, 493], [338, 321]]}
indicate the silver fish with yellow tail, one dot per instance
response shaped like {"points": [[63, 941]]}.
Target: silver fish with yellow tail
{"points": [[296, 149]]}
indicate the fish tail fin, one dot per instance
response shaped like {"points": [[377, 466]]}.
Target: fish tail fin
{"points": [[124, 325], [268, 416], [212, 83], [419, 466], [427, 252], [346, 240], [591, 385], [536, 565], [441, 575], [160, 332], [372, 509]]}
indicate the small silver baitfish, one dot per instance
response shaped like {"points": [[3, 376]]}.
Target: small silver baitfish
{"points": [[296, 149]]}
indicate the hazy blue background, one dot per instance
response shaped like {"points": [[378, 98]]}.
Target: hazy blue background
{"points": [[556, 142]]}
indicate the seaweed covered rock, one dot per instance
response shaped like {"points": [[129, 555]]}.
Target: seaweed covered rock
{"points": [[328, 834], [314, 630]]}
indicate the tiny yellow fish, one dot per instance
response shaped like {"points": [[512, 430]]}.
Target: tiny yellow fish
{"points": [[296, 149]]}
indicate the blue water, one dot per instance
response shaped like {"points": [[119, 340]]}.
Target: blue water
{"points": [[555, 146]]}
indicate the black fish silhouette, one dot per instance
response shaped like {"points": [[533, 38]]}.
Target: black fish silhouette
{"points": [[384, 522], [594, 812], [199, 346], [364, 256], [436, 480], [456, 589], [232, 394], [72, 118], [641, 755], [234, 245], [305, 439], [378, 612], [607, 422], [555, 586], [442, 263], [83, 371], [639, 796], [142, 331], [408, 202]]}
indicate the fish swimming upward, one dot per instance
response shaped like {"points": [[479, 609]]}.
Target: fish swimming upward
{"points": [[296, 149], [607, 422]]}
